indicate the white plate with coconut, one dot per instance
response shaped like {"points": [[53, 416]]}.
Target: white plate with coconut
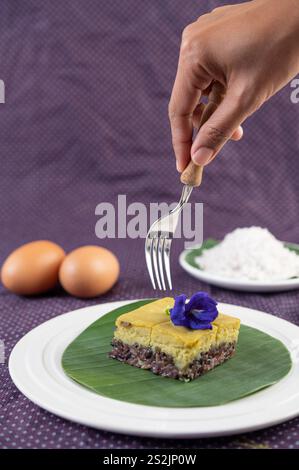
{"points": [[247, 259]]}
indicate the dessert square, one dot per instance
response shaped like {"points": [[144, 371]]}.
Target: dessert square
{"points": [[147, 338]]}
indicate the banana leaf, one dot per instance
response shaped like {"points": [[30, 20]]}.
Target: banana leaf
{"points": [[259, 362]]}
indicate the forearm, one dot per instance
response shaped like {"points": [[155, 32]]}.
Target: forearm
{"points": [[278, 33]]}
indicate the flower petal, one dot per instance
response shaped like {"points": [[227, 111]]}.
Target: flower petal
{"points": [[196, 314], [199, 325], [177, 313], [205, 315], [200, 301]]}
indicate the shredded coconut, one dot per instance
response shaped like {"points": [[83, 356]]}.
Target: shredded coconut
{"points": [[251, 253]]}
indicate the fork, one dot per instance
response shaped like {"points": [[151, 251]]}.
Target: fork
{"points": [[161, 233]]}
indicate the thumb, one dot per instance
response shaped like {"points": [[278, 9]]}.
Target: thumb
{"points": [[217, 130]]}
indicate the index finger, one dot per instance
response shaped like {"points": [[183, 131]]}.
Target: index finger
{"points": [[183, 101]]}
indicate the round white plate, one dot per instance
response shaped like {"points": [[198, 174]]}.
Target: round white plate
{"points": [[236, 284], [35, 368]]}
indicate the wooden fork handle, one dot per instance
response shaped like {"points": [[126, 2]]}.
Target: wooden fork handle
{"points": [[192, 175]]}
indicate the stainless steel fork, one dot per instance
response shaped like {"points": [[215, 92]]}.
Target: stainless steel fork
{"points": [[160, 235]]}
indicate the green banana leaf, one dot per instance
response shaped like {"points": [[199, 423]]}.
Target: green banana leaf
{"points": [[260, 361]]}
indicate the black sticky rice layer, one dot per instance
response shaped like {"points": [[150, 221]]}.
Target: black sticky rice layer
{"points": [[162, 364]]}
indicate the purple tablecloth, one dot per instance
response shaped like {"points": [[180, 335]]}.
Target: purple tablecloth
{"points": [[85, 119]]}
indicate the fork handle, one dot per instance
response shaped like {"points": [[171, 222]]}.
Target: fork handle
{"points": [[192, 175]]}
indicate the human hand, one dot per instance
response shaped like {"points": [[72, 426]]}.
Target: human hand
{"points": [[238, 55]]}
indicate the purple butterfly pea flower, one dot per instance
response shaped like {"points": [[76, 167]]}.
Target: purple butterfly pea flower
{"points": [[197, 314]]}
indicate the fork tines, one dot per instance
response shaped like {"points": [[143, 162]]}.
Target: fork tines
{"points": [[158, 243], [157, 254]]}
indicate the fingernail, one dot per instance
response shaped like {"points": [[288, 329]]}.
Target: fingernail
{"points": [[178, 167], [202, 156]]}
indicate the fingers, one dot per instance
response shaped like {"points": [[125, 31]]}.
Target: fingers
{"points": [[197, 115], [183, 101], [203, 112], [222, 125], [185, 97], [219, 121], [238, 134], [197, 118]]}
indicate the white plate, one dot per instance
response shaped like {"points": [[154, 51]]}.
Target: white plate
{"points": [[35, 368], [236, 284]]}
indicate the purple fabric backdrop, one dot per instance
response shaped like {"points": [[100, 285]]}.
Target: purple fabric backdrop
{"points": [[85, 119]]}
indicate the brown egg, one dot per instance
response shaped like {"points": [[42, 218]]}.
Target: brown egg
{"points": [[32, 268], [89, 271]]}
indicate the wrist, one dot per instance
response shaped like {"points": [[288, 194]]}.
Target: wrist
{"points": [[282, 18], [284, 9]]}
